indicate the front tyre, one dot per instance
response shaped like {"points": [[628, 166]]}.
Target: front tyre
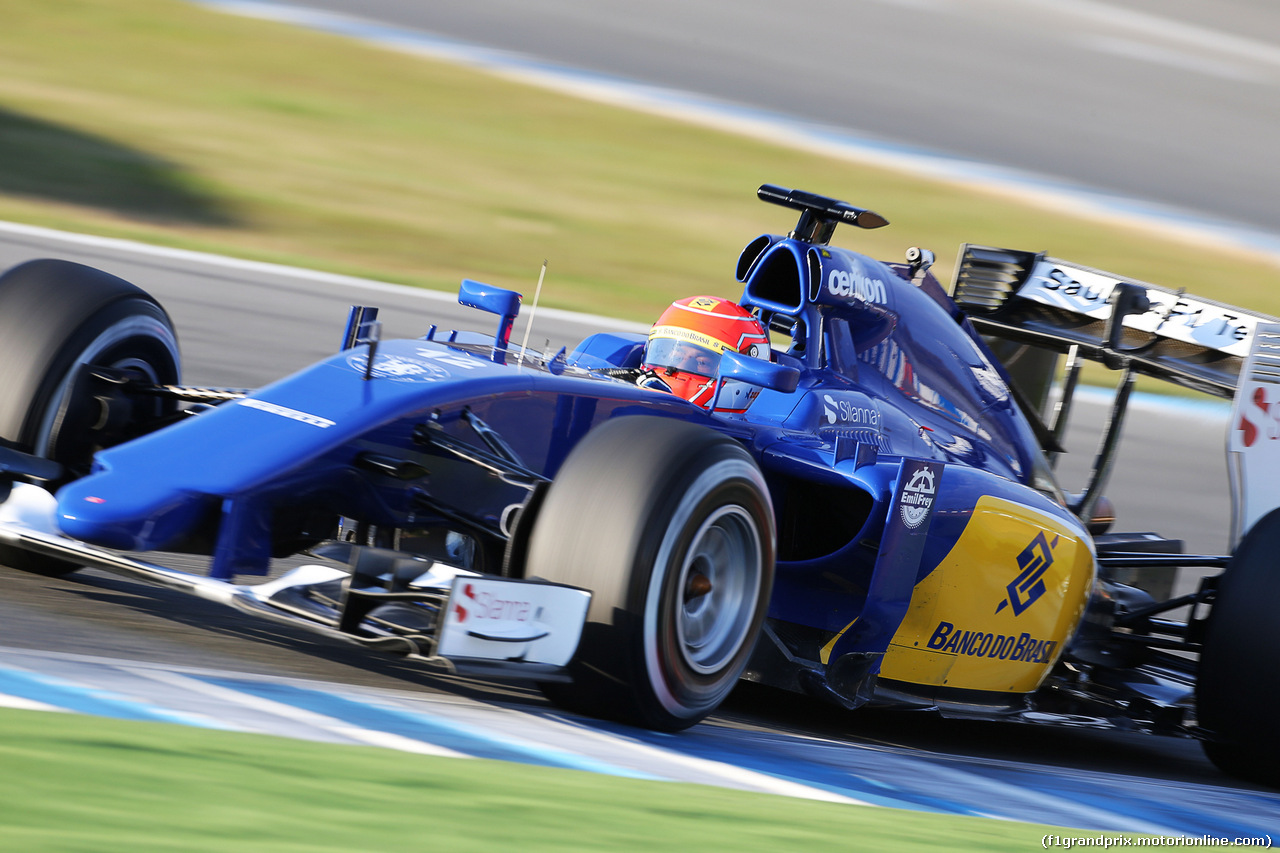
{"points": [[56, 317], [669, 524], [1238, 686]]}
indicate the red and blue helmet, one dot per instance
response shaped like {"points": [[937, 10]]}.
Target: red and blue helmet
{"points": [[686, 343]]}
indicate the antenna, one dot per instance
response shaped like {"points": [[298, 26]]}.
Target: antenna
{"points": [[524, 344]]}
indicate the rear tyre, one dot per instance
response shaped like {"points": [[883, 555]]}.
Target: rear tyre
{"points": [[1238, 686], [669, 524], [55, 317]]}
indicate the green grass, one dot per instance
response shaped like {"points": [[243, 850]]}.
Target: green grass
{"points": [[72, 783], [164, 122]]}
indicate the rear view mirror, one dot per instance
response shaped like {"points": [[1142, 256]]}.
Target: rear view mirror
{"points": [[495, 300], [757, 371]]}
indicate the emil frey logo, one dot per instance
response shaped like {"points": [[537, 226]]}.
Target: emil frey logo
{"points": [[1026, 589], [917, 497]]}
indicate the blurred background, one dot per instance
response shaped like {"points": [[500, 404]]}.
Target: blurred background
{"points": [[1169, 101], [165, 121]]}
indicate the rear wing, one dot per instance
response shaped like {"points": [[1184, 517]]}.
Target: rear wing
{"points": [[1036, 299], [1029, 298]]}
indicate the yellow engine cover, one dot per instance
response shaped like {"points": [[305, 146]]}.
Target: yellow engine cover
{"points": [[996, 612]]}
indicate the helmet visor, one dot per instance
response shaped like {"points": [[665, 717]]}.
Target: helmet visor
{"points": [[682, 355]]}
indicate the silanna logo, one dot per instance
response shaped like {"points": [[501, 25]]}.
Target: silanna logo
{"points": [[917, 497], [1026, 589], [841, 411]]}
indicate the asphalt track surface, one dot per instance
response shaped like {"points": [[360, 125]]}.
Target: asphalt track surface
{"points": [[85, 642], [1172, 101]]}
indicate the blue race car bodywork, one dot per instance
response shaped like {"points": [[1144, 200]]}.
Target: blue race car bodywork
{"points": [[880, 525]]}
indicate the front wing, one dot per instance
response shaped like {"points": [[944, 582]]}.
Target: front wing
{"points": [[426, 610]]}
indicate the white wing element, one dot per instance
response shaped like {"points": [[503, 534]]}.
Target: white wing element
{"points": [[1172, 315], [504, 619]]}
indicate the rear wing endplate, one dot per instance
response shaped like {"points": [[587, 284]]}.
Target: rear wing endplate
{"points": [[1253, 452]]}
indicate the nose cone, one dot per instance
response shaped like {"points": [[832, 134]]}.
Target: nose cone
{"points": [[103, 510]]}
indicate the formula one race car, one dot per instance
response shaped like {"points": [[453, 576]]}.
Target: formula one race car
{"points": [[863, 511]]}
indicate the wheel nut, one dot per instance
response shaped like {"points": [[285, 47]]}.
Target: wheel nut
{"points": [[699, 584]]}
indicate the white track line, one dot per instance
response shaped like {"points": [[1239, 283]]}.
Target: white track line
{"points": [[298, 715], [18, 229]]}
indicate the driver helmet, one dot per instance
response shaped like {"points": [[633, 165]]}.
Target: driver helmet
{"points": [[686, 343]]}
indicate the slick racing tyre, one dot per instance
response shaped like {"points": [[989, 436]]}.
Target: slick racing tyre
{"points": [[56, 317], [670, 526], [1238, 686]]}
